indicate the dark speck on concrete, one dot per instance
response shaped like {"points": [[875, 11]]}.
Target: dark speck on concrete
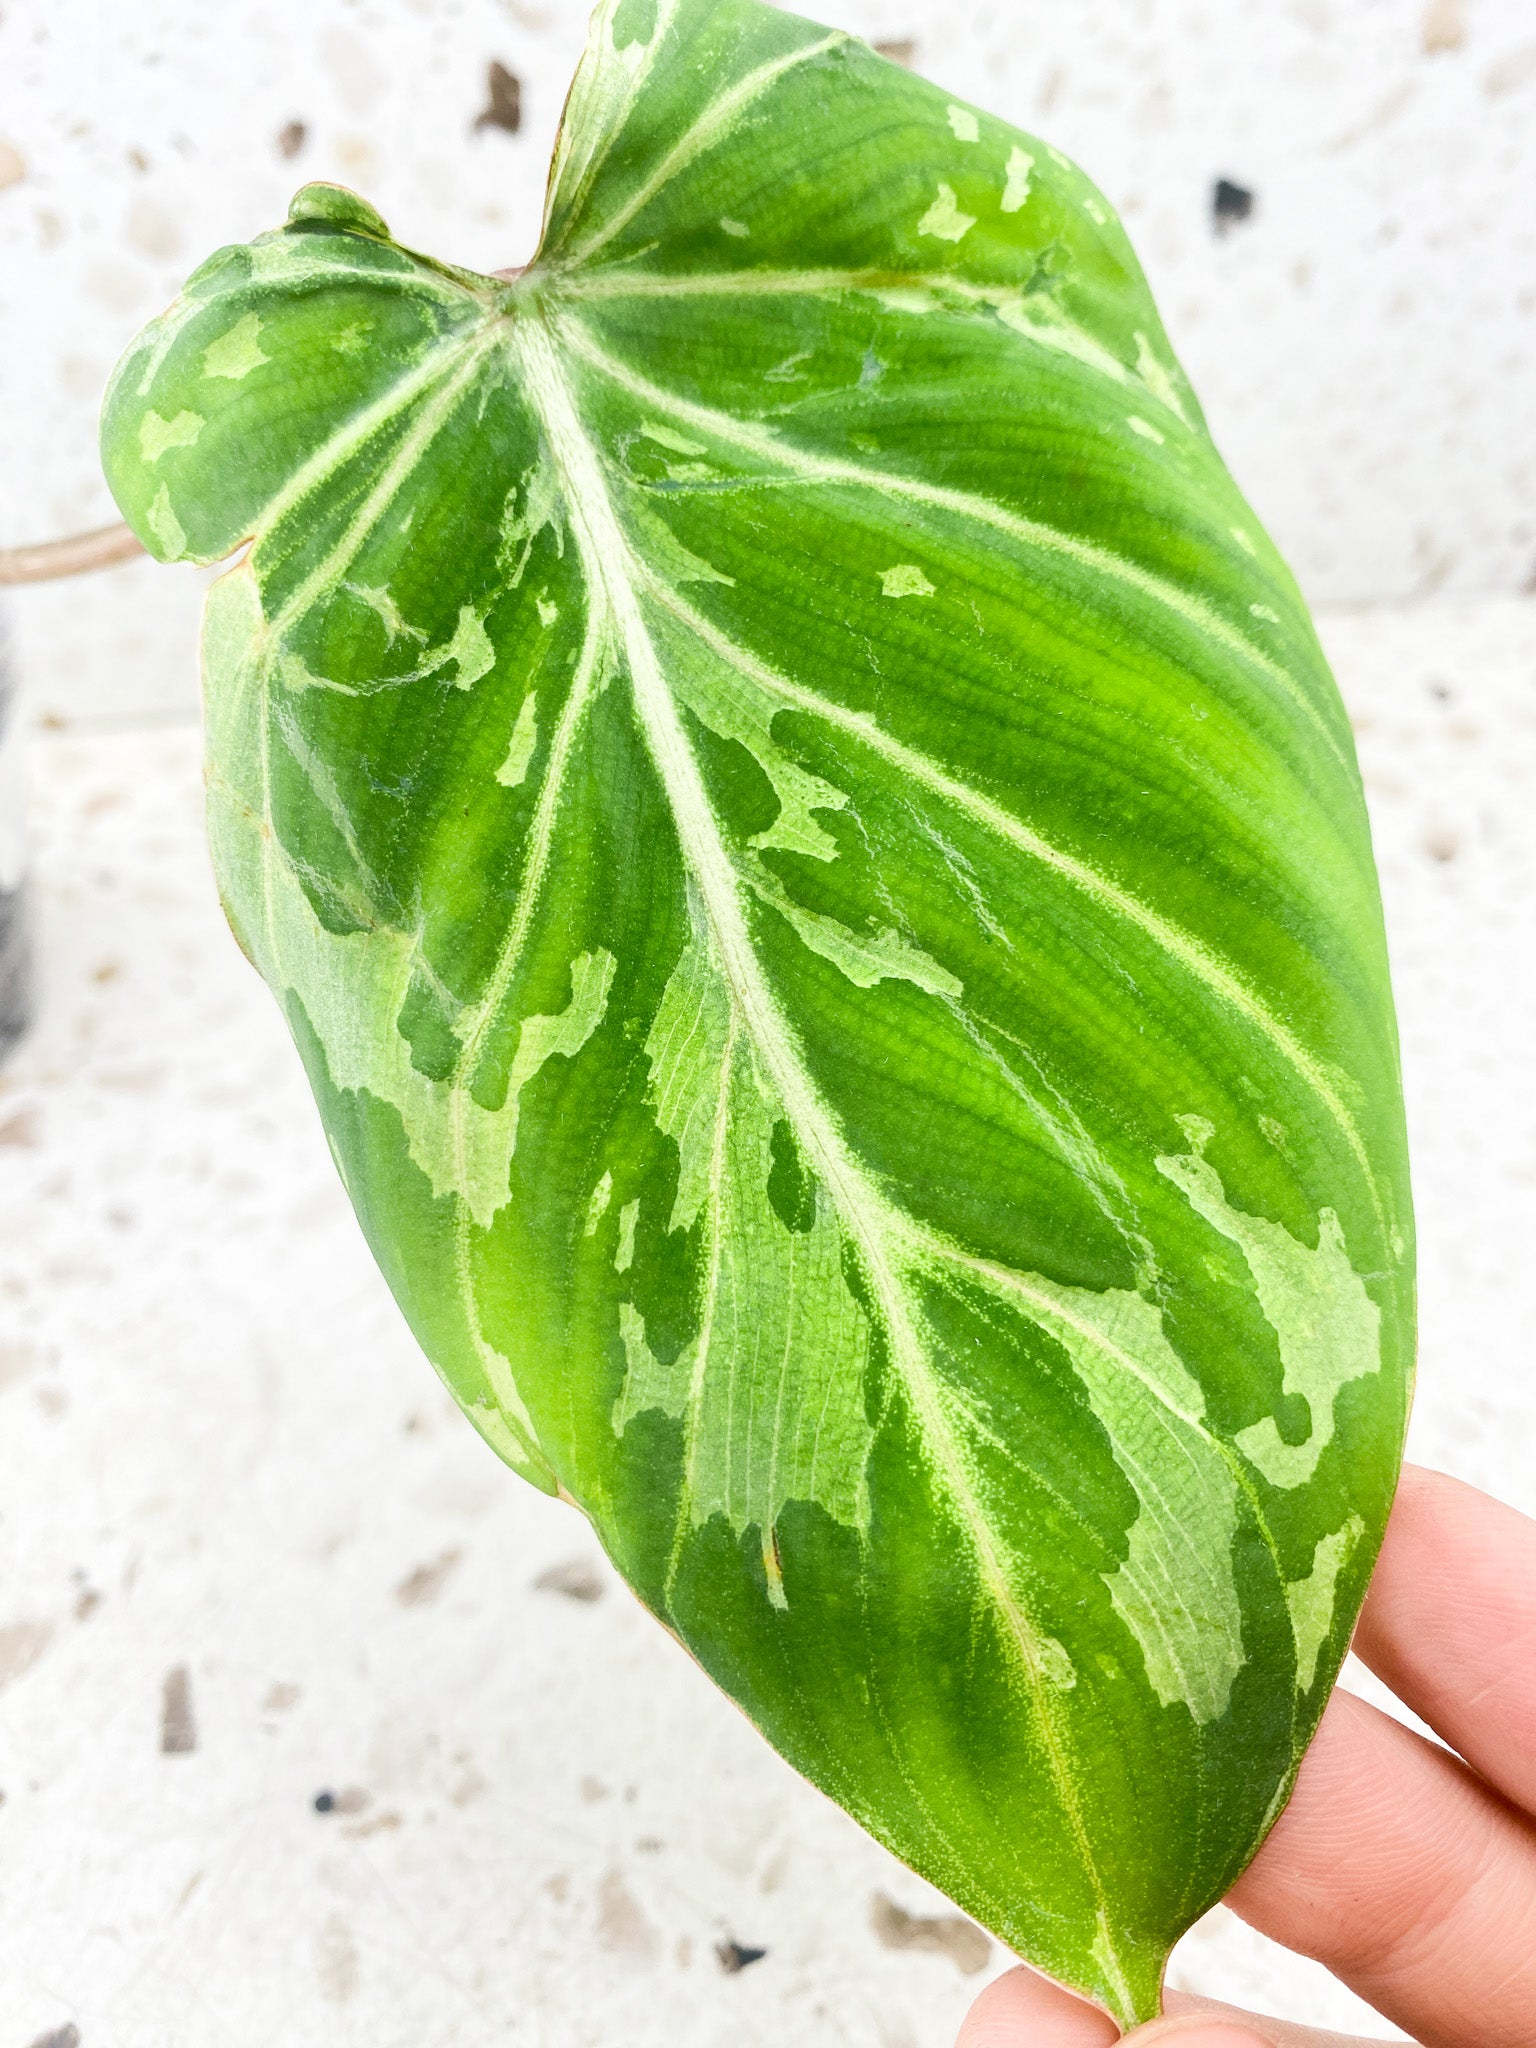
{"points": [[352, 1799], [504, 100], [577, 1578], [178, 1727], [67, 2036], [1229, 204], [734, 1957], [946, 1934]]}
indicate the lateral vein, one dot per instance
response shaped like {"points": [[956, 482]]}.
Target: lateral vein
{"points": [[1030, 533], [714, 122], [947, 293], [326, 574], [1179, 945]]}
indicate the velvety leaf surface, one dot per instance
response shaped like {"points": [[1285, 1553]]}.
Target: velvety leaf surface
{"points": [[805, 838]]}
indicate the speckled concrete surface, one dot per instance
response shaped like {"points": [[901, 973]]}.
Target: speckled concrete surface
{"points": [[249, 1554]]}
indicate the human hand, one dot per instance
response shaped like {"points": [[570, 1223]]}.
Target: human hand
{"points": [[1410, 1873]]}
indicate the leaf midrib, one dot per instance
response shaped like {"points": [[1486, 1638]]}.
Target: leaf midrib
{"points": [[865, 1212]]}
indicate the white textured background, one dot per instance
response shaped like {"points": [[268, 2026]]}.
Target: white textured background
{"points": [[218, 1450]]}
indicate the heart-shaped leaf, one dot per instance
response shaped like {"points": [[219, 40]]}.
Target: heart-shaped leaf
{"points": [[818, 870]]}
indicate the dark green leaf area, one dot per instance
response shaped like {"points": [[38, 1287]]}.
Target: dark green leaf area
{"points": [[906, 1709], [320, 206], [380, 545], [600, 902], [740, 788], [251, 375], [599, 163], [912, 1604], [851, 168], [958, 1135], [1076, 1521], [1032, 685], [791, 1189], [1075, 781], [426, 1022], [1032, 695], [546, 1269], [1044, 1024], [434, 781], [1092, 454]]}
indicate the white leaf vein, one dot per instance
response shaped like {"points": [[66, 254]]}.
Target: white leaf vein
{"points": [[873, 1227], [1179, 945], [1031, 533]]}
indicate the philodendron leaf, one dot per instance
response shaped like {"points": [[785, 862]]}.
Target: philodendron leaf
{"points": [[818, 870]]}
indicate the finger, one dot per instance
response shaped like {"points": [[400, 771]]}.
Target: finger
{"points": [[1397, 1868], [1022, 2009], [1450, 1624], [1182, 2005]]}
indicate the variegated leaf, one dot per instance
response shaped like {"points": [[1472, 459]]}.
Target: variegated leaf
{"points": [[805, 838]]}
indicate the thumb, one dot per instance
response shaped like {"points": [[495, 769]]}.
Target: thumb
{"points": [[1022, 2009]]}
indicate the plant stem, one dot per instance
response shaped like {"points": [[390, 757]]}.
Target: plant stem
{"points": [[68, 557]]}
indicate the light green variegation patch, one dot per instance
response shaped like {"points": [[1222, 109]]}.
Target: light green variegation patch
{"points": [[665, 437], [165, 526], [157, 435], [905, 580], [541, 1038], [667, 555], [602, 1195], [469, 650], [380, 601], [532, 507], [736, 706], [864, 957], [1016, 185], [774, 1301], [1313, 1600], [945, 220], [237, 353], [1327, 1326], [774, 775], [1056, 1665], [525, 737], [1154, 373], [1177, 1589]]}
